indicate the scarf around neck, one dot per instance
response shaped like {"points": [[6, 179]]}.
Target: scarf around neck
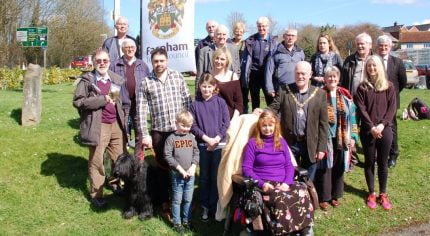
{"points": [[322, 61], [341, 119]]}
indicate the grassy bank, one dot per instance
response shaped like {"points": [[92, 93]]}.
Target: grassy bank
{"points": [[44, 184]]}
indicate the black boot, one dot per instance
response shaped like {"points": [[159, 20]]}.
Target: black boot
{"points": [[392, 161]]}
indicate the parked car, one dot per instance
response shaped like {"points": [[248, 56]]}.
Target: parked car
{"points": [[423, 69], [411, 74], [81, 62]]}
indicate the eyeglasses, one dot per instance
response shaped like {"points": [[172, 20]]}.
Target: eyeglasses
{"points": [[130, 47], [100, 61]]}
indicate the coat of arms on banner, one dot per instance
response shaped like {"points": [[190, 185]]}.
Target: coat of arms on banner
{"points": [[165, 17]]}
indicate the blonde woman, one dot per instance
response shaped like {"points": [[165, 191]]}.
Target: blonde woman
{"points": [[228, 81], [376, 102], [238, 31]]}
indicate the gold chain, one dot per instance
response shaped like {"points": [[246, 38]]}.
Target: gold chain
{"points": [[301, 105]]}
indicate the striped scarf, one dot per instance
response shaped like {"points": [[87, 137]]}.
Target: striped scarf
{"points": [[341, 130]]}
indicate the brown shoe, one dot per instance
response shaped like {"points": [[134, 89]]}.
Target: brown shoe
{"points": [[324, 206], [166, 213], [335, 203]]}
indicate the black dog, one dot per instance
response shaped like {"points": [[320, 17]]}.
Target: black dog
{"points": [[135, 175]]}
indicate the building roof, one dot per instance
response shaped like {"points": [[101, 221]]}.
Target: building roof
{"points": [[396, 27], [415, 37], [423, 27]]}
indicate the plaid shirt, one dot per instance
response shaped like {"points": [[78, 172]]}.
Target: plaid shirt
{"points": [[162, 100]]}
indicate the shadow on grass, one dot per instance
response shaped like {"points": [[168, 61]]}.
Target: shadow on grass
{"points": [[70, 171], [74, 123], [16, 115], [77, 140], [358, 192]]}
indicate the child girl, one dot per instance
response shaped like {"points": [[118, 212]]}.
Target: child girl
{"points": [[211, 120]]}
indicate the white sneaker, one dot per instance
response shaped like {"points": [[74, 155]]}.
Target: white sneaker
{"points": [[205, 213]]}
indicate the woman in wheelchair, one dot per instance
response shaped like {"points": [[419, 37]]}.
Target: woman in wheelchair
{"points": [[267, 160]]}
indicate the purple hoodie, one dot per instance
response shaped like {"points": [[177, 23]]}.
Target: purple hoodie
{"points": [[211, 117]]}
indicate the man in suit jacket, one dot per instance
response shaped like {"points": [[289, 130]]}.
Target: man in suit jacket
{"points": [[204, 63], [396, 73], [304, 118]]}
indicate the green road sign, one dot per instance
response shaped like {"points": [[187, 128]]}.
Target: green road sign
{"points": [[32, 36]]}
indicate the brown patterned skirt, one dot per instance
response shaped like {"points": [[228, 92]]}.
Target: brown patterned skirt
{"points": [[290, 210]]}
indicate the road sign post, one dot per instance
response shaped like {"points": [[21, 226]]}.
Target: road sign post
{"points": [[33, 37]]}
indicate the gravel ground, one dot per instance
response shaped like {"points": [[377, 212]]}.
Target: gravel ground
{"points": [[417, 229]]}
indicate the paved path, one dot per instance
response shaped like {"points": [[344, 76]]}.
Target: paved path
{"points": [[419, 229]]}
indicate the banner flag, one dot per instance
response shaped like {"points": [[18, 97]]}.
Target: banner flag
{"points": [[169, 24]]}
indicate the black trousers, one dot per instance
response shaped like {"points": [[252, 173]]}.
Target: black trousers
{"points": [[256, 82], [163, 184], [330, 180], [394, 150], [376, 150]]}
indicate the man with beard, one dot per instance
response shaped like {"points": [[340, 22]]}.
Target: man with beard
{"points": [[164, 94], [102, 120]]}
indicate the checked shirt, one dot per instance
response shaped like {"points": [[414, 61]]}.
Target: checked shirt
{"points": [[162, 100]]}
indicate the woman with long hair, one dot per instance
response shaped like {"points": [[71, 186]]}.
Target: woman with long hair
{"points": [[267, 159], [228, 82], [326, 55], [376, 102]]}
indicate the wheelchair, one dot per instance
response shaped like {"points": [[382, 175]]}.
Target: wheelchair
{"points": [[244, 208]]}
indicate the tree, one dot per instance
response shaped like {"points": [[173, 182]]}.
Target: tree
{"points": [[346, 36], [273, 25], [73, 29], [307, 37], [233, 18]]}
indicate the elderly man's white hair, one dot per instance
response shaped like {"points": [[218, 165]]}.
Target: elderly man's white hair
{"points": [[211, 21], [221, 28], [384, 39], [305, 65], [121, 18], [128, 42], [364, 36], [263, 20], [294, 31]]}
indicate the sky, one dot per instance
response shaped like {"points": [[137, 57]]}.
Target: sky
{"points": [[287, 13]]}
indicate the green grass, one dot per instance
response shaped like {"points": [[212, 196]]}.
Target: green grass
{"points": [[44, 184]]}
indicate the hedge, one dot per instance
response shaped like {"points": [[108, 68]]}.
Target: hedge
{"points": [[13, 78]]}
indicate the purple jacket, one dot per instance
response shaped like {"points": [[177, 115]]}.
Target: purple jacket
{"points": [[211, 117], [267, 164], [140, 71]]}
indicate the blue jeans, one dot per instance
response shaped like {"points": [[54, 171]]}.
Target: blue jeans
{"points": [[182, 194], [300, 151], [209, 162]]}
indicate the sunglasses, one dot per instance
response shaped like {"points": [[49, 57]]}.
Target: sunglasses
{"points": [[100, 61]]}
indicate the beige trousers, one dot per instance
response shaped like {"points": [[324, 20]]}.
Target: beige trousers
{"points": [[111, 139]]}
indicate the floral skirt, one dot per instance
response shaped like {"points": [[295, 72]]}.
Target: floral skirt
{"points": [[289, 210]]}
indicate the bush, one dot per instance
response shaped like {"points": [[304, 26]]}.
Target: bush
{"points": [[13, 78]]}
